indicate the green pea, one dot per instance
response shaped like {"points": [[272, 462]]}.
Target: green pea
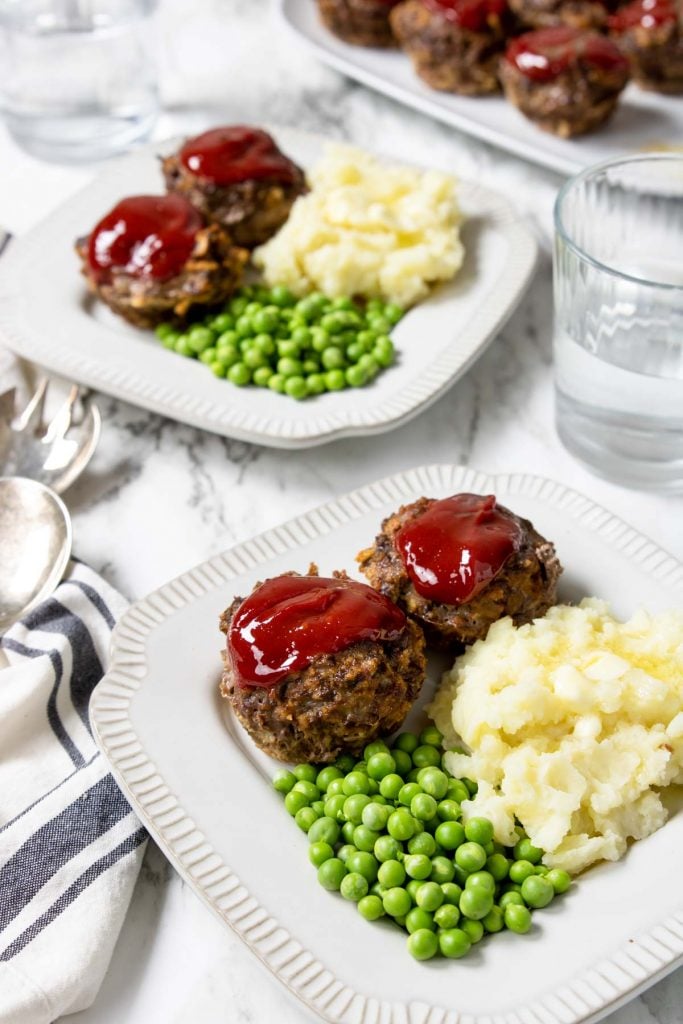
{"points": [[264, 321], [370, 907], [325, 830], [474, 930], [448, 810], [315, 384], [356, 376], [371, 367], [390, 786], [511, 897], [457, 791], [244, 327], [423, 806], [281, 296], [498, 865], [305, 818], [479, 830], [423, 944], [419, 918], [364, 837], [401, 824], [417, 865], [469, 856], [443, 870], [387, 848], [525, 850], [335, 380], [476, 903], [520, 870], [348, 828], [406, 741], [356, 782], [446, 916], [310, 366], [403, 762], [200, 338], [379, 324], [223, 322], [425, 755], [304, 785], [433, 780], [559, 879], [254, 359], [288, 348], [393, 312], [396, 901], [482, 880], [228, 355], [345, 763], [375, 816], [345, 851], [353, 807], [354, 351], [353, 886], [380, 764], [289, 367], [182, 346], [363, 863], [318, 853], [238, 305], [450, 835], [283, 780], [295, 387], [454, 943], [294, 801], [517, 918], [239, 374], [320, 339], [537, 891], [391, 873], [333, 358], [430, 896], [422, 843]]}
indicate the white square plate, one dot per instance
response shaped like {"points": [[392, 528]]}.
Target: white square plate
{"points": [[643, 121], [47, 316], [202, 788]]}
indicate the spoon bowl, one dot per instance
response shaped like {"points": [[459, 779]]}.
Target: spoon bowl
{"points": [[36, 545]]}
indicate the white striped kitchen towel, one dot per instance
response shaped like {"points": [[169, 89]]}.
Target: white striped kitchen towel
{"points": [[70, 846]]}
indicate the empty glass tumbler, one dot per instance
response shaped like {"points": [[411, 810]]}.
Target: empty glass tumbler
{"points": [[77, 77], [618, 336]]}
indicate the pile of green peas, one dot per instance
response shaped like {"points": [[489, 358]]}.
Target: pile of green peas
{"points": [[385, 832], [296, 347]]}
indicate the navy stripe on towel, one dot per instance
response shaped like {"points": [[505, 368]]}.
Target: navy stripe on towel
{"points": [[96, 600], [86, 672], [73, 892], [56, 843], [44, 796], [53, 718]]}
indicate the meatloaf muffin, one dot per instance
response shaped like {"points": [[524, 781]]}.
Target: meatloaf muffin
{"points": [[314, 666], [455, 45], [459, 564], [650, 35], [564, 80], [236, 177], [359, 22], [152, 259]]}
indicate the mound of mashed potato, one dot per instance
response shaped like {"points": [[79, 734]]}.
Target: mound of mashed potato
{"points": [[367, 228], [573, 722]]}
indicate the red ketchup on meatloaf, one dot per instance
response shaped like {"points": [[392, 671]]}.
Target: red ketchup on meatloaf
{"points": [[290, 620], [473, 15], [144, 236], [237, 153], [643, 14], [544, 54], [456, 547]]}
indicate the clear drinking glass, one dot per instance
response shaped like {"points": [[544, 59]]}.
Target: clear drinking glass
{"points": [[77, 77], [618, 338]]}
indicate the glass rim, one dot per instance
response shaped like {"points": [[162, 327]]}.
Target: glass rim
{"points": [[588, 172]]}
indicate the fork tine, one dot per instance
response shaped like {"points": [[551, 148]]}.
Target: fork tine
{"points": [[61, 421], [31, 417]]}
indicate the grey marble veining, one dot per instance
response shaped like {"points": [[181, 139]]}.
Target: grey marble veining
{"points": [[160, 496]]}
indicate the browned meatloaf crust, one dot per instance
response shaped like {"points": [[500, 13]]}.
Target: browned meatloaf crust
{"points": [[338, 703], [524, 589], [445, 55], [577, 101], [359, 22], [655, 55], [212, 273], [252, 211], [577, 13]]}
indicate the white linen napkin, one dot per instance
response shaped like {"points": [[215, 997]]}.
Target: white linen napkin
{"points": [[70, 846]]}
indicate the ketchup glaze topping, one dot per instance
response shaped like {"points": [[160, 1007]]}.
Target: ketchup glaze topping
{"points": [[236, 153], [145, 236], [643, 13], [544, 54], [457, 545], [473, 15], [290, 620]]}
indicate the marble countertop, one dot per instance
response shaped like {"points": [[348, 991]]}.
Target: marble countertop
{"points": [[160, 496]]}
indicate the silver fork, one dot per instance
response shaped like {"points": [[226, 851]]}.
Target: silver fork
{"points": [[56, 452]]}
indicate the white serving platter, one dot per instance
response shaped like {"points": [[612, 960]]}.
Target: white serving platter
{"points": [[202, 788], [643, 121], [47, 316]]}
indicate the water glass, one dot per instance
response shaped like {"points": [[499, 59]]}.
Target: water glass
{"points": [[618, 335], [77, 77]]}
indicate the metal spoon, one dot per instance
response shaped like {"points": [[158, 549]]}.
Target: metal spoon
{"points": [[35, 545]]}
